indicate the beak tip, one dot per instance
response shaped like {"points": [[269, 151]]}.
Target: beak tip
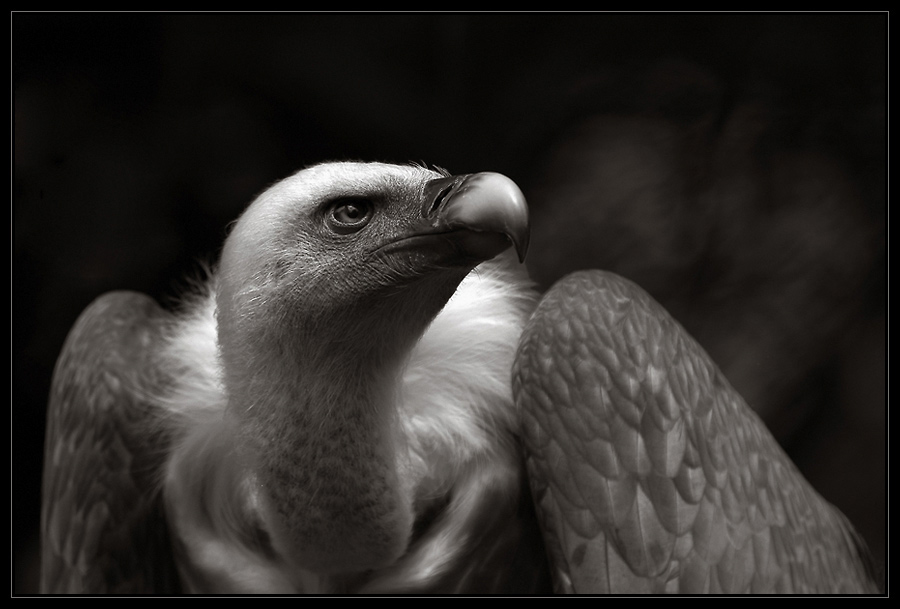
{"points": [[521, 245], [521, 254]]}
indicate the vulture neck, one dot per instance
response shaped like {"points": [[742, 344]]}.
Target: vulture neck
{"points": [[315, 400]]}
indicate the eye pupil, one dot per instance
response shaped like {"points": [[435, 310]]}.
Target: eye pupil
{"points": [[349, 216]]}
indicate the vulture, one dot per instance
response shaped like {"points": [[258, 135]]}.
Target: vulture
{"points": [[368, 395]]}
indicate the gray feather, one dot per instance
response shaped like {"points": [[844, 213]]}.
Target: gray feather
{"points": [[102, 524], [685, 490]]}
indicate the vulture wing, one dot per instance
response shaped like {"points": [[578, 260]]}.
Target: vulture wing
{"points": [[102, 524], [649, 472]]}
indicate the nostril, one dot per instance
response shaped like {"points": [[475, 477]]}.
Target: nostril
{"points": [[441, 196]]}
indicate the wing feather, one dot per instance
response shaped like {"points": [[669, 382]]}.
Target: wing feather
{"points": [[680, 487], [102, 525]]}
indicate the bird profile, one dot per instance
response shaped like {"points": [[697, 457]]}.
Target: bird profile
{"points": [[333, 411], [333, 408]]}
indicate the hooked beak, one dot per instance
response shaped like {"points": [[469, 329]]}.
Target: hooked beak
{"points": [[487, 204]]}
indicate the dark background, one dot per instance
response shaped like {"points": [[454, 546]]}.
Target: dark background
{"points": [[733, 165]]}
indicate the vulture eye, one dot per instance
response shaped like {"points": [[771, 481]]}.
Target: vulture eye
{"points": [[349, 215]]}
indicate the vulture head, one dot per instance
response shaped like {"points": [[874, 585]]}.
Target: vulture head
{"points": [[325, 285]]}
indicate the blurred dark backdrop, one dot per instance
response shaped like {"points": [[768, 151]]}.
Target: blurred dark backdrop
{"points": [[733, 165]]}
